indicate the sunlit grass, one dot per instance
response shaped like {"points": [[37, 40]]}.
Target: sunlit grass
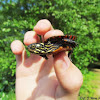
{"points": [[88, 88]]}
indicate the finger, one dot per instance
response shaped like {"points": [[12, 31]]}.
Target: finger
{"points": [[42, 27], [53, 33], [67, 73], [30, 37], [18, 49]]}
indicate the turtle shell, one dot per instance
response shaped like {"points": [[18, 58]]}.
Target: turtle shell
{"points": [[67, 40]]}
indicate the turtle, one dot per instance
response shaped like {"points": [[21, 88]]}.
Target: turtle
{"points": [[54, 45]]}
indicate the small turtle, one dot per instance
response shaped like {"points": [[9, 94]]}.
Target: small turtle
{"points": [[54, 45]]}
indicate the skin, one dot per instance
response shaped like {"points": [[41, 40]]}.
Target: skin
{"points": [[39, 79]]}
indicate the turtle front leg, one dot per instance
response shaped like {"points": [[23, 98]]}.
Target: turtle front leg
{"points": [[44, 56]]}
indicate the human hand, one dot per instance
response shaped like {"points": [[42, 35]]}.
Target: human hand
{"points": [[39, 79]]}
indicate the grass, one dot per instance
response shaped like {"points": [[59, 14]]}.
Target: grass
{"points": [[88, 88]]}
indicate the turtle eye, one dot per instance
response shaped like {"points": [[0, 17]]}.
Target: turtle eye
{"points": [[33, 46]]}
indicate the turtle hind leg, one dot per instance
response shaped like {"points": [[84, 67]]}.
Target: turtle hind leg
{"points": [[69, 54], [44, 56]]}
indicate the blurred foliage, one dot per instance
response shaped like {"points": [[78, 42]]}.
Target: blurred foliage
{"points": [[7, 96], [76, 17]]}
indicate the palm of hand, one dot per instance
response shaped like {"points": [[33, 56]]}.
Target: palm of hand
{"points": [[39, 79]]}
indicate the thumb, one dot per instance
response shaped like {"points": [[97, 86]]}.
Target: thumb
{"points": [[69, 76], [18, 49]]}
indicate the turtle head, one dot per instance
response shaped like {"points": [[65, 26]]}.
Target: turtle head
{"points": [[31, 47]]}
